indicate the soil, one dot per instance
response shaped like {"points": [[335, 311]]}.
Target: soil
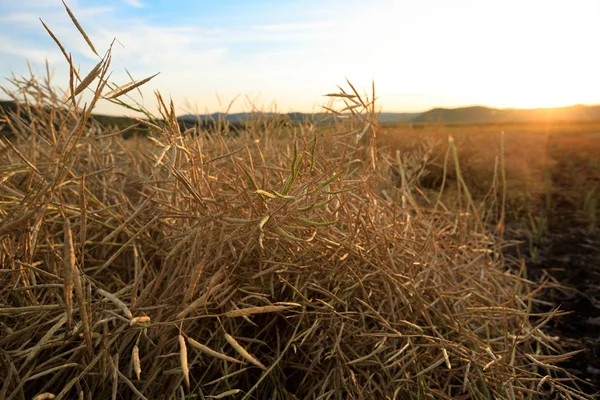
{"points": [[569, 254], [571, 257]]}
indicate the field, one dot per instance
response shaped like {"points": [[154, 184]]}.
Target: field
{"points": [[552, 188], [344, 261]]}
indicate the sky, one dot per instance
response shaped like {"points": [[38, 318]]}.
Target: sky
{"points": [[420, 54]]}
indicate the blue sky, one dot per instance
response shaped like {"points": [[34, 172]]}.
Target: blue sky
{"points": [[421, 54]]}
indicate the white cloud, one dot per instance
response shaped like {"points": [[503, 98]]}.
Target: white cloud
{"points": [[291, 27], [134, 3], [29, 52], [37, 4], [413, 50], [185, 55], [32, 18]]}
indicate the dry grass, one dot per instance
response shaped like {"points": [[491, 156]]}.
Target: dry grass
{"points": [[293, 267], [479, 149]]}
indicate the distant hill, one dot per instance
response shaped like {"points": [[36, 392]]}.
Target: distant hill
{"points": [[397, 118], [237, 118], [386, 117], [486, 115], [447, 116], [119, 122]]}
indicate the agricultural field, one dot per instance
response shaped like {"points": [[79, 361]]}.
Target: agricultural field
{"points": [[326, 267], [552, 181], [348, 260]]}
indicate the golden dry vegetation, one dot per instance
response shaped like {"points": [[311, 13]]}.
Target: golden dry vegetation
{"points": [[292, 263]]}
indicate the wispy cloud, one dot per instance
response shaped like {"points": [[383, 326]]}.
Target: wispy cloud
{"points": [[31, 18], [27, 51], [37, 4], [292, 27], [134, 3], [413, 50]]}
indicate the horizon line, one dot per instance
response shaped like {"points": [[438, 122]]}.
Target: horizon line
{"points": [[381, 111]]}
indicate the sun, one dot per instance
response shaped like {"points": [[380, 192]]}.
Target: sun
{"points": [[500, 54], [540, 92]]}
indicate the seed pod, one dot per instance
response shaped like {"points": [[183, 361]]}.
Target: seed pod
{"points": [[211, 352], [135, 355], [184, 360], [44, 396], [243, 352], [139, 320]]}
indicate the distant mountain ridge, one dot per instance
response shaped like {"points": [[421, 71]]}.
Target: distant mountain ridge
{"points": [[461, 115], [246, 116], [445, 116], [486, 115]]}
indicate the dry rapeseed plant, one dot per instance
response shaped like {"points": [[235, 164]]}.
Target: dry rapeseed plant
{"points": [[331, 289]]}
